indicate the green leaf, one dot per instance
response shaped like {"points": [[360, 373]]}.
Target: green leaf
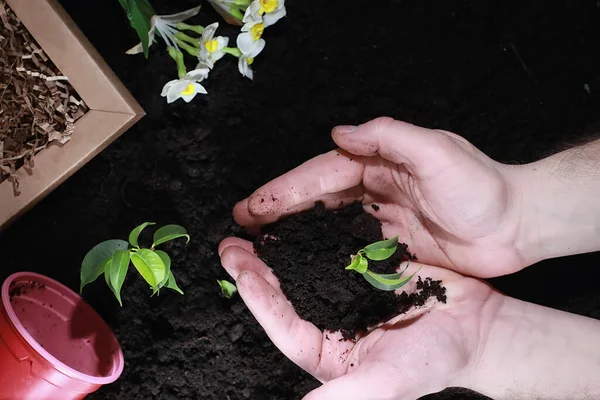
{"points": [[107, 266], [171, 284], [118, 271], [146, 8], [382, 250], [167, 261], [169, 232], [359, 264], [135, 233], [149, 265], [141, 24], [387, 282], [93, 262], [227, 288]]}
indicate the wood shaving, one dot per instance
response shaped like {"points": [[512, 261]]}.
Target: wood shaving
{"points": [[38, 106]]}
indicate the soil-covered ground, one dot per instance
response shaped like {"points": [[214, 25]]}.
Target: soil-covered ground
{"points": [[520, 79]]}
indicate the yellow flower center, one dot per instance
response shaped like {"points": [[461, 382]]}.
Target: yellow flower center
{"points": [[190, 89], [212, 45], [250, 60], [268, 6], [257, 31]]}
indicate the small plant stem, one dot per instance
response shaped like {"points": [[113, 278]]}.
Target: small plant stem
{"points": [[177, 55], [193, 51], [235, 11], [183, 37], [234, 51], [199, 29], [243, 3]]}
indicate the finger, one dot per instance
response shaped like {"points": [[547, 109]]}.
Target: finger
{"points": [[297, 339], [235, 260], [235, 241], [330, 201], [333, 176], [421, 150]]}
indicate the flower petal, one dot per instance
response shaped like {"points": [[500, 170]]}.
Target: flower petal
{"points": [[244, 68], [197, 75], [138, 48], [246, 43], [252, 12], [181, 16], [260, 45], [209, 32], [203, 65], [204, 58], [168, 86], [272, 18], [222, 41], [199, 88], [173, 94], [217, 55]]}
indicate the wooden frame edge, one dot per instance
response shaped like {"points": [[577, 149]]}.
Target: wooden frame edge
{"points": [[55, 164]]}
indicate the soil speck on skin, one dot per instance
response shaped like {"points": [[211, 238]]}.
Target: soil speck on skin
{"points": [[309, 257], [375, 207]]}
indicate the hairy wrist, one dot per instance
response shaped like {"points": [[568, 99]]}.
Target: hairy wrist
{"points": [[531, 352], [559, 204]]}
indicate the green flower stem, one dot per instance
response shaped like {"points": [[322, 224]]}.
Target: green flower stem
{"points": [[236, 12], [177, 55], [193, 51], [193, 41], [243, 3], [199, 29], [234, 51]]}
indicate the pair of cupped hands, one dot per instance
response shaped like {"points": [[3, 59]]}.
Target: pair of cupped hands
{"points": [[456, 208]]}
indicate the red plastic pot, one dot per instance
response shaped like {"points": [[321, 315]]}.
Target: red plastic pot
{"points": [[53, 345]]}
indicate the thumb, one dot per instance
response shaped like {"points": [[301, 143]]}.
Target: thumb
{"points": [[422, 151]]}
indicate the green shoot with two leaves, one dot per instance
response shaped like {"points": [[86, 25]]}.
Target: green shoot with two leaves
{"points": [[112, 258], [379, 251]]}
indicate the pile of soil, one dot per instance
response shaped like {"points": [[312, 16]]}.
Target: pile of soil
{"points": [[309, 251]]}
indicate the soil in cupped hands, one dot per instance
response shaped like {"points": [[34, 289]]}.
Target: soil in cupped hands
{"points": [[309, 251]]}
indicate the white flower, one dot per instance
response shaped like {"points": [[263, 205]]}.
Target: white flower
{"points": [[211, 49], [250, 38], [165, 25], [187, 87], [267, 11], [250, 49]]}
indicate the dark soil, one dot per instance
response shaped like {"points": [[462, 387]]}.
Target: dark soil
{"points": [[441, 64], [24, 288], [309, 251]]}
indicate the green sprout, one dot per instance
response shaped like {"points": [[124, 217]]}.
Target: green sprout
{"points": [[228, 289], [112, 258], [379, 251]]}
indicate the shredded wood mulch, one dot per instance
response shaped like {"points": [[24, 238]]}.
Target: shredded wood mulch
{"points": [[37, 104]]}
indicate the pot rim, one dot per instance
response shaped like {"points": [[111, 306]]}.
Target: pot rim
{"points": [[70, 295]]}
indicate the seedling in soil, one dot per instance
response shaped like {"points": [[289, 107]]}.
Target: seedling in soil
{"points": [[228, 289], [379, 251], [112, 257]]}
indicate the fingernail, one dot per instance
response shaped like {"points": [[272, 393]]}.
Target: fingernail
{"points": [[344, 129]]}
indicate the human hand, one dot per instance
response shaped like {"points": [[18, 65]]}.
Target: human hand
{"points": [[455, 206], [478, 339]]}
